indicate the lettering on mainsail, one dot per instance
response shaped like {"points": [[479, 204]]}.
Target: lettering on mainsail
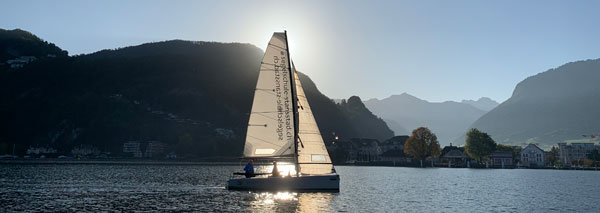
{"points": [[271, 127], [282, 88]]}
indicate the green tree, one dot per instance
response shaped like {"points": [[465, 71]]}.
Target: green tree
{"points": [[504, 148], [421, 144], [552, 156], [479, 144]]}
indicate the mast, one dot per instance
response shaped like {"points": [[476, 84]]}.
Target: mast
{"points": [[294, 105]]}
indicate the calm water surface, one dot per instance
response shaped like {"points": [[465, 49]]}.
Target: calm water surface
{"points": [[121, 187]]}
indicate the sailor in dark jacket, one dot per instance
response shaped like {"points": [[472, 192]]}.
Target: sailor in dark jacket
{"points": [[249, 169]]}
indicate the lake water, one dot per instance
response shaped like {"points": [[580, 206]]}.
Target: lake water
{"points": [[122, 187]]}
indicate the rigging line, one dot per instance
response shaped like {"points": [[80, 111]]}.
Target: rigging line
{"points": [[305, 132], [300, 105], [314, 143], [270, 112], [309, 123], [273, 70], [268, 92], [265, 125], [266, 116], [276, 46], [278, 65], [261, 63], [308, 127], [300, 140], [310, 133], [279, 145]]}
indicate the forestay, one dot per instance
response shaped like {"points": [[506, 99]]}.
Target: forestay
{"points": [[271, 125], [312, 154]]}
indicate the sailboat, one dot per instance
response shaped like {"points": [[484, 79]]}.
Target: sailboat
{"points": [[282, 128]]}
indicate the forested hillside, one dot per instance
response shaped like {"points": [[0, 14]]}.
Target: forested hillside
{"points": [[193, 96]]}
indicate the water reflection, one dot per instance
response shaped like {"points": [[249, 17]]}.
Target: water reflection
{"points": [[200, 188], [292, 201], [285, 168], [315, 202]]}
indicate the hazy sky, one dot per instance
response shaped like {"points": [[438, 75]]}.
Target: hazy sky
{"points": [[435, 50]]}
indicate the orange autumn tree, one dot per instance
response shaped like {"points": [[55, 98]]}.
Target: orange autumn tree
{"points": [[422, 144]]}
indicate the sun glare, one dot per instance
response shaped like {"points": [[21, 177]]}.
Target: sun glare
{"points": [[270, 198], [285, 169]]}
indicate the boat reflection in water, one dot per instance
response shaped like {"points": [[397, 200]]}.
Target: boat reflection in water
{"points": [[292, 201]]}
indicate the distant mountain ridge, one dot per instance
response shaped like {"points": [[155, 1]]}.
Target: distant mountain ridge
{"points": [[483, 103], [404, 112], [553, 106], [193, 96]]}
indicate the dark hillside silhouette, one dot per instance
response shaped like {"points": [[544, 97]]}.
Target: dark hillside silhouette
{"points": [[192, 96], [17, 42]]}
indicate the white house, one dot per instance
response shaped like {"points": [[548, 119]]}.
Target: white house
{"points": [[532, 156]]}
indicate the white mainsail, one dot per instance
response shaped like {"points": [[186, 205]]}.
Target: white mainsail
{"points": [[273, 129], [313, 157], [272, 124]]}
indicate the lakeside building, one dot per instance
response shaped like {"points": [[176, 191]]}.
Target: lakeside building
{"points": [[501, 159], [570, 152], [364, 149], [394, 156], [392, 150], [171, 155], [394, 143], [85, 150], [133, 148], [40, 150], [154, 148], [532, 156], [453, 156], [21, 61]]}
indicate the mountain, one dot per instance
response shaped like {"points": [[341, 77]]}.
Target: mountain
{"points": [[356, 112], [192, 96], [337, 100], [484, 103], [553, 106], [17, 42], [448, 120]]}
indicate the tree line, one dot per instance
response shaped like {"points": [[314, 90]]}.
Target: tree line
{"points": [[423, 144]]}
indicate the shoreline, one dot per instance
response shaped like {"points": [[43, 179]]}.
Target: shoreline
{"points": [[115, 162], [223, 162]]}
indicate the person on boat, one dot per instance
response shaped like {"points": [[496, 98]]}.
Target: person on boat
{"points": [[275, 172], [249, 169]]}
